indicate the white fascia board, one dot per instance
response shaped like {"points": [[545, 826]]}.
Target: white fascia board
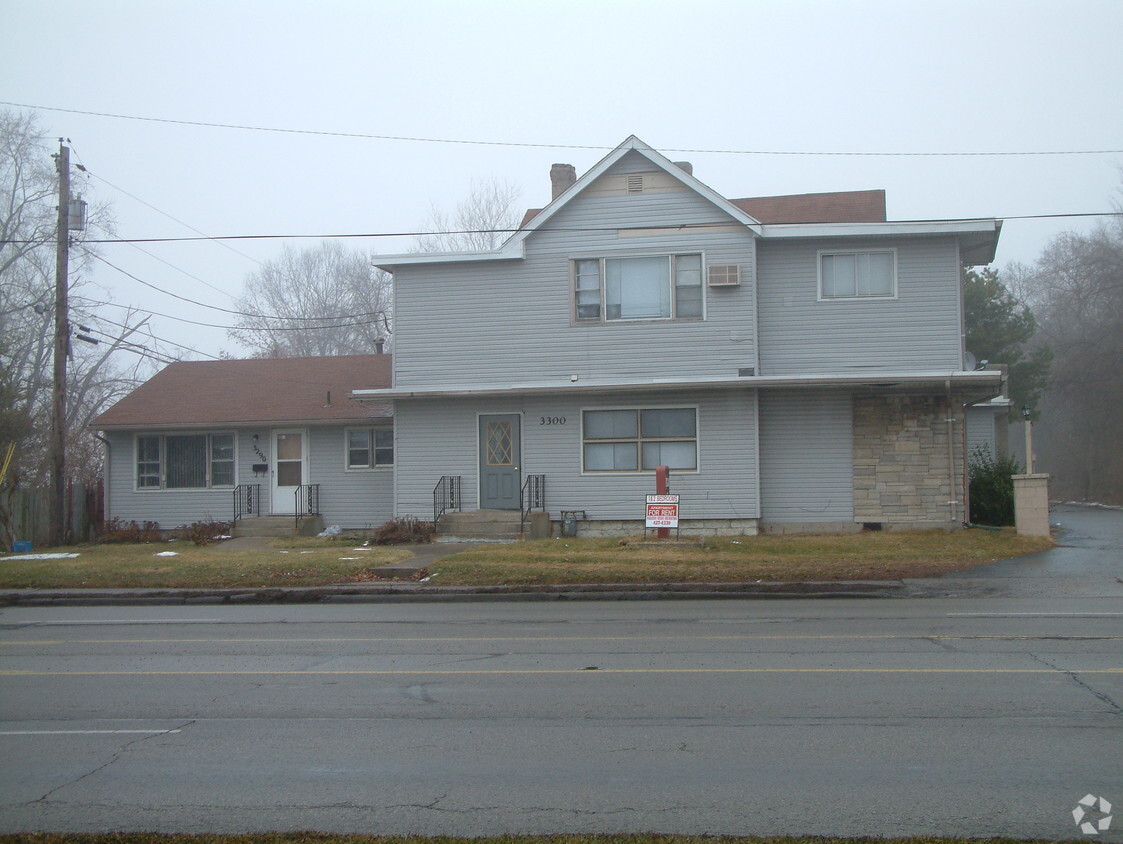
{"points": [[959, 378], [503, 253], [788, 230]]}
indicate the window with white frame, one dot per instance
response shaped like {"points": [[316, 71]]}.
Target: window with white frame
{"points": [[646, 287], [184, 461], [640, 439], [368, 448], [858, 275]]}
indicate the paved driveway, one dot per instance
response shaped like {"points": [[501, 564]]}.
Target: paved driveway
{"points": [[1086, 563]]}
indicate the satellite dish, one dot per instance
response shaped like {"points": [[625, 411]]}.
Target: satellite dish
{"points": [[971, 363]]}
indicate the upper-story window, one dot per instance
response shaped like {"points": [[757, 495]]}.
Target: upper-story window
{"points": [[649, 287], [858, 275]]}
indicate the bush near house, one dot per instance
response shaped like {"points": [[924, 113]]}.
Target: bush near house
{"points": [[992, 488]]}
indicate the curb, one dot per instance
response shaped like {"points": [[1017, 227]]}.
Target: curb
{"points": [[412, 592]]}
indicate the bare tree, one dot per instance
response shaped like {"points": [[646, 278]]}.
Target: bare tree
{"points": [[488, 216], [1077, 289], [325, 300], [28, 200]]}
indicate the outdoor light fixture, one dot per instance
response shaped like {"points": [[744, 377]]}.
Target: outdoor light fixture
{"points": [[1026, 412]]}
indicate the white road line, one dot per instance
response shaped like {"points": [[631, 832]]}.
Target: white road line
{"points": [[121, 621], [1030, 614], [83, 732]]}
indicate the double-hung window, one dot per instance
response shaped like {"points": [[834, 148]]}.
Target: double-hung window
{"points": [[184, 461], [640, 439], [858, 275], [646, 287], [368, 448]]}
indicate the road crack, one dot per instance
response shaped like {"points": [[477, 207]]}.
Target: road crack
{"points": [[1074, 676], [117, 754]]}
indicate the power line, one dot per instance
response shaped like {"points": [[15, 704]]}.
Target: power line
{"points": [[237, 313], [473, 142], [243, 328], [170, 217], [594, 229]]}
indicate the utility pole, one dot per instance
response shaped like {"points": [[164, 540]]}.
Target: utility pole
{"points": [[62, 349]]}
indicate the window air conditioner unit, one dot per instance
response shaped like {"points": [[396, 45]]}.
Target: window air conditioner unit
{"points": [[723, 275]]}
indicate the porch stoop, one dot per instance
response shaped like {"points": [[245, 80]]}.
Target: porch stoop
{"points": [[478, 526], [277, 526]]}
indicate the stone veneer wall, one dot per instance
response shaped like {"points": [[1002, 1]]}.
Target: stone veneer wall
{"points": [[901, 473]]}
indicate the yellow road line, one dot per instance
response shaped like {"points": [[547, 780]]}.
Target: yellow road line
{"points": [[495, 671], [360, 639]]}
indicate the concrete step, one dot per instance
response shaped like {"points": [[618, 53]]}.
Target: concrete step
{"points": [[265, 526], [479, 526]]}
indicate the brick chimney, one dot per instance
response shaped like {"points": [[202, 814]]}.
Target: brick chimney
{"points": [[561, 177]]}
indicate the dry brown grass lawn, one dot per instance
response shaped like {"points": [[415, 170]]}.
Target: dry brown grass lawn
{"points": [[860, 556], [296, 563]]}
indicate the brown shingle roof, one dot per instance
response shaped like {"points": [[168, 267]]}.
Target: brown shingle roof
{"points": [[854, 206], [271, 390]]}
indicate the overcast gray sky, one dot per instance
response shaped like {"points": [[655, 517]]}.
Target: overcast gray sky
{"points": [[749, 76]]}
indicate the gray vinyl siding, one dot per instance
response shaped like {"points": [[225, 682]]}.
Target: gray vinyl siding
{"points": [[351, 499], [169, 508], [920, 329], [806, 457], [510, 322], [980, 430], [439, 437], [357, 498]]}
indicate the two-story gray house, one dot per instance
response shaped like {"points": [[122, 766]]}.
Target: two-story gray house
{"points": [[797, 362]]}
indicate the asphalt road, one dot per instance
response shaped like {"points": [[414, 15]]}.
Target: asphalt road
{"points": [[991, 714]]}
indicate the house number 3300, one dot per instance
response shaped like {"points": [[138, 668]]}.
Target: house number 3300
{"points": [[551, 420]]}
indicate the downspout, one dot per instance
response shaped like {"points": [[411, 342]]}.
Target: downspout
{"points": [[951, 453]]}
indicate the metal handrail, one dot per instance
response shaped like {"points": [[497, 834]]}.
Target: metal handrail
{"points": [[247, 500], [307, 502], [532, 497], [446, 496]]}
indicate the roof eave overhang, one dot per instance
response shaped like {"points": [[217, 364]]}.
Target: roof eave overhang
{"points": [[978, 239], [219, 423], [984, 382]]}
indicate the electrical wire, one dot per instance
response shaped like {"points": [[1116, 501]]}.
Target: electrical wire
{"points": [[243, 328], [682, 226], [236, 313], [174, 219], [471, 142]]}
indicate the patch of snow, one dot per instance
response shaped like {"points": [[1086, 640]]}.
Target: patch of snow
{"points": [[222, 537], [40, 557], [166, 554], [350, 558], [363, 548], [1093, 504], [331, 530]]}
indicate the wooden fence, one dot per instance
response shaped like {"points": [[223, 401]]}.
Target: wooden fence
{"points": [[31, 508]]}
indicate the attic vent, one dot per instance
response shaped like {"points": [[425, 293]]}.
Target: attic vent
{"points": [[635, 183], [723, 275]]}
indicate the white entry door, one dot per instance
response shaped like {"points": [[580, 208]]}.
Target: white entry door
{"points": [[290, 467]]}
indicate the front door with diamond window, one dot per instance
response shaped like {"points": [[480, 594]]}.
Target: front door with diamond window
{"points": [[499, 462]]}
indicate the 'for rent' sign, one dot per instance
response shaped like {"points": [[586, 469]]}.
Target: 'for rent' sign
{"points": [[662, 511]]}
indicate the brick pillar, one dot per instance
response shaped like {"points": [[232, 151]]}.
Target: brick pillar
{"points": [[1031, 504]]}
